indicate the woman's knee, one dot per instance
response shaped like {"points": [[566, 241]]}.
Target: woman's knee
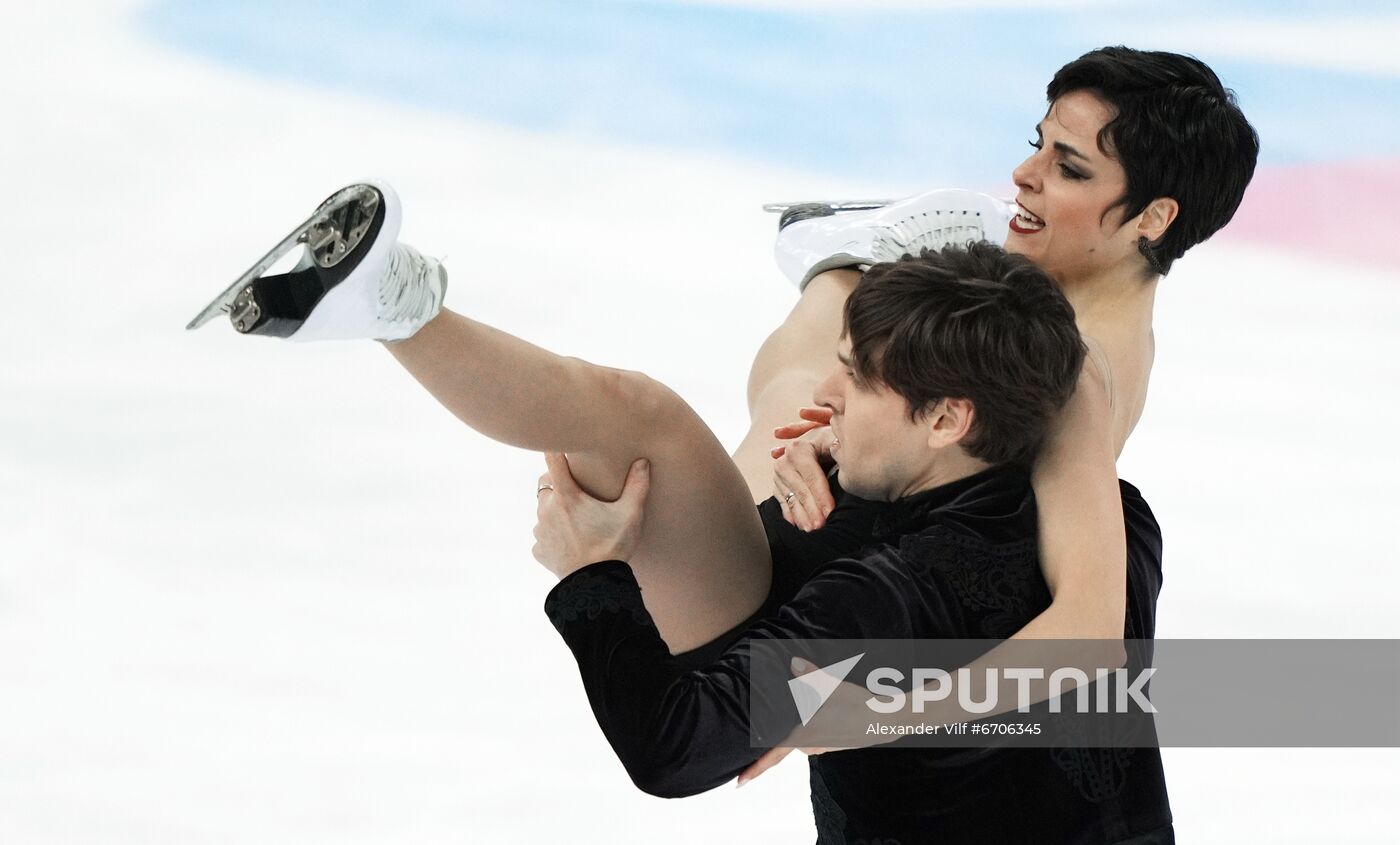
{"points": [[649, 405]]}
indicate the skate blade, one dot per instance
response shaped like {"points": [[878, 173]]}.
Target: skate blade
{"points": [[329, 234], [835, 205]]}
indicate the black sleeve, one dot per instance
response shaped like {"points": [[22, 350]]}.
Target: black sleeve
{"points": [[1144, 564], [680, 732]]}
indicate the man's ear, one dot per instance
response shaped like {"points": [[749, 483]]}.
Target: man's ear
{"points": [[949, 422], [1156, 218]]}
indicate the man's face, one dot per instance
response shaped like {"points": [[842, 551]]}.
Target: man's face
{"points": [[1067, 185], [880, 453]]}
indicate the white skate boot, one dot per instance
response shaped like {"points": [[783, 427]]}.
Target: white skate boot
{"points": [[354, 279], [815, 237]]}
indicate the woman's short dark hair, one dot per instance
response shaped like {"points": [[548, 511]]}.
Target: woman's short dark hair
{"points": [[1178, 133], [972, 323]]}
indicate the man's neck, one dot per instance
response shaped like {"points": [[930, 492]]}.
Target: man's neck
{"points": [[946, 470]]}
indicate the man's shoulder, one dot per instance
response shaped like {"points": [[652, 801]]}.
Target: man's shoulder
{"points": [[952, 581], [943, 542], [949, 543], [958, 537], [996, 578]]}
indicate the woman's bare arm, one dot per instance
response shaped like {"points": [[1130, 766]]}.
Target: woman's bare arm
{"points": [[1083, 546]]}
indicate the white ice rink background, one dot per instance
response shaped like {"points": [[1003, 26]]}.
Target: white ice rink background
{"points": [[256, 592]]}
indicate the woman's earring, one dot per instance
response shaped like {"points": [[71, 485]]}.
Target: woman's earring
{"points": [[1145, 247]]}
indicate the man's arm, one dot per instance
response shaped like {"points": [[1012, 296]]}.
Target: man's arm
{"points": [[682, 731], [676, 733]]}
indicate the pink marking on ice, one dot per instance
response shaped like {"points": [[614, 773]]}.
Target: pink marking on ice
{"points": [[1340, 209]]}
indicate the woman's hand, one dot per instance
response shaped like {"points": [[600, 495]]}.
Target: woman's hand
{"points": [[799, 469], [841, 714], [573, 529]]}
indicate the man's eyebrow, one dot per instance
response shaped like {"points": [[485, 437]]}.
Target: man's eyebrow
{"points": [[1061, 147]]}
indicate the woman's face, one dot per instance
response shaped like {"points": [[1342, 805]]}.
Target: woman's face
{"points": [[1066, 186]]}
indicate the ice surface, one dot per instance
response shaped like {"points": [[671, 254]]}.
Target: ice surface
{"points": [[261, 592]]}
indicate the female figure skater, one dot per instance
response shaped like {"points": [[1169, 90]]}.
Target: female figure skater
{"points": [[1140, 156]]}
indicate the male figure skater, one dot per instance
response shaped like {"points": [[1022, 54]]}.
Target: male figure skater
{"points": [[951, 367]]}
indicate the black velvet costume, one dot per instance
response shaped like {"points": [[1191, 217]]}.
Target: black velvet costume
{"points": [[957, 561]]}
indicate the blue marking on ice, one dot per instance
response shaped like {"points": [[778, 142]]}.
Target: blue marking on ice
{"points": [[926, 96]]}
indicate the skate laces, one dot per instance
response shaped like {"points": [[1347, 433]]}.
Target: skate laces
{"points": [[911, 234], [412, 286]]}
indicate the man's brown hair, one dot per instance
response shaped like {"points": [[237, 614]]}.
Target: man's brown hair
{"points": [[972, 323]]}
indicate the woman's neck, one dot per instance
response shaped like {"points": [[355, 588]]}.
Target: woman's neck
{"points": [[1112, 297]]}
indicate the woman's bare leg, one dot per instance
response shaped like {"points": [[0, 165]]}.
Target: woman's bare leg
{"points": [[703, 562], [786, 370]]}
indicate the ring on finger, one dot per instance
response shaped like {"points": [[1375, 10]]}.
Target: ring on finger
{"points": [[544, 485]]}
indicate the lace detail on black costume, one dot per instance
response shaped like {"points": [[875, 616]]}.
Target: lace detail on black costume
{"points": [[587, 594], [1098, 773], [1000, 585], [1094, 758]]}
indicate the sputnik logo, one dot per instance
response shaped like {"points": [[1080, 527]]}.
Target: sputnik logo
{"points": [[810, 691]]}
